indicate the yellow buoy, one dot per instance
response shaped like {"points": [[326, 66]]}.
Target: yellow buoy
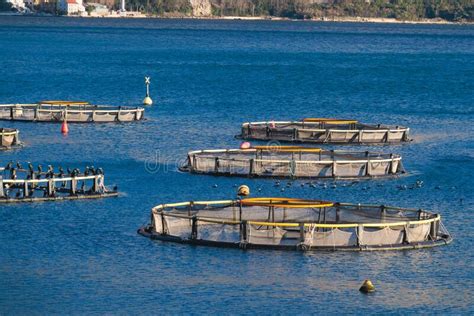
{"points": [[147, 100], [367, 287], [243, 190]]}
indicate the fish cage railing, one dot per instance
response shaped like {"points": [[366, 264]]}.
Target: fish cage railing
{"points": [[312, 164], [17, 190], [333, 228], [339, 132], [74, 114], [9, 137]]}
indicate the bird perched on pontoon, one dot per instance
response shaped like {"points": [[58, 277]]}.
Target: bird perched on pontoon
{"points": [[31, 169], [9, 165], [75, 172], [50, 173], [61, 172], [40, 171], [13, 175]]}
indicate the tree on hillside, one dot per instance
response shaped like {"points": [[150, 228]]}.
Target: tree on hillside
{"points": [[452, 10]]}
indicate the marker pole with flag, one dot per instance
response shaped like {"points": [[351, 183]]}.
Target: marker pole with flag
{"points": [[147, 100]]}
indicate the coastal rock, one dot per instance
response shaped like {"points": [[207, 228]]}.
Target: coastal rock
{"points": [[201, 7]]}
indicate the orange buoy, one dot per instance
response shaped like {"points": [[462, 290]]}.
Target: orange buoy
{"points": [[64, 128]]}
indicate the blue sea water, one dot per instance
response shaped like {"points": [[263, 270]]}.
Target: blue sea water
{"points": [[207, 78]]}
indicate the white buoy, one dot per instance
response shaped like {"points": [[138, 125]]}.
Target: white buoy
{"points": [[245, 145], [147, 100]]}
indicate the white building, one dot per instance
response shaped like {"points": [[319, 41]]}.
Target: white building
{"points": [[71, 7], [17, 4]]}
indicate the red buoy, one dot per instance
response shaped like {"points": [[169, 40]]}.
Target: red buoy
{"points": [[64, 128]]}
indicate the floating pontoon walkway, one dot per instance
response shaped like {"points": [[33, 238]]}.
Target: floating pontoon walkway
{"points": [[293, 162], [9, 138], [324, 131], [27, 185], [295, 224], [72, 111]]}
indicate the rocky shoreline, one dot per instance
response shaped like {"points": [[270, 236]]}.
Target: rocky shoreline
{"points": [[346, 19], [338, 19]]}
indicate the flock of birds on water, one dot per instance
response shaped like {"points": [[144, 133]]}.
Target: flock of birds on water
{"points": [[418, 184], [13, 168]]}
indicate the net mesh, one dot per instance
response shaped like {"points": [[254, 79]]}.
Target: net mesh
{"points": [[73, 113], [324, 131], [303, 163], [273, 224]]}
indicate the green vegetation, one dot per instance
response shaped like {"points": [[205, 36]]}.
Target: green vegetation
{"points": [[5, 6], [450, 10], [89, 9], [160, 7]]}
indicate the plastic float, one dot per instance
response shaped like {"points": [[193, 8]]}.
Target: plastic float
{"points": [[295, 224], [72, 111], [19, 184], [324, 131], [9, 138], [293, 162]]}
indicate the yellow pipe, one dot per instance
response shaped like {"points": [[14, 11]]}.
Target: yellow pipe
{"points": [[287, 149], [329, 120], [279, 224], [286, 202], [62, 102]]}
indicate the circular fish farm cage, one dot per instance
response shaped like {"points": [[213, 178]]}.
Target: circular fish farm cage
{"points": [[293, 162], [9, 138], [19, 184], [71, 111], [325, 131], [295, 224]]}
